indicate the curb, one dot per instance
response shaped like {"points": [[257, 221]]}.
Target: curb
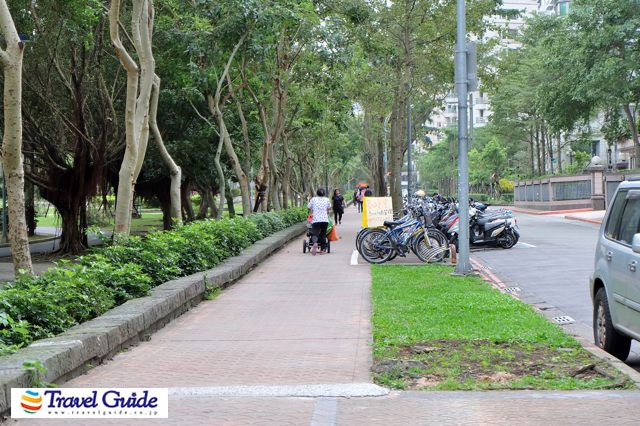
{"points": [[43, 240], [590, 347], [584, 219], [548, 212], [80, 348]]}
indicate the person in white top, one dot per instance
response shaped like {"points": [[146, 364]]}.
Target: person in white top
{"points": [[319, 209]]}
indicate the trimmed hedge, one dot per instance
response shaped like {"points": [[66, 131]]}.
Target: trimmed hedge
{"points": [[33, 308]]}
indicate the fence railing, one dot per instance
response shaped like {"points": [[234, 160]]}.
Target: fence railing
{"points": [[593, 190]]}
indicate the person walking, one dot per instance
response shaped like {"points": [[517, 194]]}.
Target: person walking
{"points": [[338, 206], [319, 209]]}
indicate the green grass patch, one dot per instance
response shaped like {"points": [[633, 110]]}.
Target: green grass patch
{"points": [[436, 331]]}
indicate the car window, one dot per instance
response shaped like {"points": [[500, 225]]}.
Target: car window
{"points": [[612, 223], [630, 223]]}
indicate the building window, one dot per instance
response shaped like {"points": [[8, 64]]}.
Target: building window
{"points": [[595, 148], [563, 8], [481, 113]]}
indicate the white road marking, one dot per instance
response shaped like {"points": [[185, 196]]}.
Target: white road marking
{"points": [[329, 390], [354, 257], [526, 245]]}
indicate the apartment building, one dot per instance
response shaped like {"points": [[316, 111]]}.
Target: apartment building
{"points": [[505, 31]]}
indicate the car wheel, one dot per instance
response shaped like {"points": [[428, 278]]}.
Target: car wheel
{"points": [[605, 336]]}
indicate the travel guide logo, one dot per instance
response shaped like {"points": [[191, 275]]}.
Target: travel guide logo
{"points": [[87, 403], [31, 401]]}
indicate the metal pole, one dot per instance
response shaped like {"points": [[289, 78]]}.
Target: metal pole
{"points": [[470, 120], [463, 267], [409, 137]]}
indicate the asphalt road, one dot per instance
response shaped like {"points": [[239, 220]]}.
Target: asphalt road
{"points": [[553, 262]]}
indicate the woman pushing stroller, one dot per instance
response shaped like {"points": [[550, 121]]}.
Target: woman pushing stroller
{"points": [[319, 209]]}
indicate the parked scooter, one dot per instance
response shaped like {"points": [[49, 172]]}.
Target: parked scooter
{"points": [[485, 229]]}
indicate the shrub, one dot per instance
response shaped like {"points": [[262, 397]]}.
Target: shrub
{"points": [[506, 185], [13, 334], [483, 198], [126, 281], [73, 292]]}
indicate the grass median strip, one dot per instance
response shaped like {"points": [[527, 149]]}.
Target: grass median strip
{"points": [[439, 332]]}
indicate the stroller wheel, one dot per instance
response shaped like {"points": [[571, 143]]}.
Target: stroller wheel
{"points": [[304, 246]]}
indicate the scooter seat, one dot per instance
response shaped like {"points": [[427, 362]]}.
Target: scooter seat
{"points": [[484, 220]]}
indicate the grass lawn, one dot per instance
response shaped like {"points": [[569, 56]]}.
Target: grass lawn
{"points": [[438, 332], [151, 220]]}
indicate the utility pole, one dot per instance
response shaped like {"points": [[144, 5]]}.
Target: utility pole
{"points": [[470, 120], [463, 267], [409, 137]]}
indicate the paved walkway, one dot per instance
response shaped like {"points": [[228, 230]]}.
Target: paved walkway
{"points": [[290, 344]]}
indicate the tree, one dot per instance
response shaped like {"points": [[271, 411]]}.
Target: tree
{"points": [[71, 135], [139, 87], [11, 60]]}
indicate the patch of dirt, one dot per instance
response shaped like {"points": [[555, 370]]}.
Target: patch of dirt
{"points": [[427, 381], [499, 377], [483, 364]]}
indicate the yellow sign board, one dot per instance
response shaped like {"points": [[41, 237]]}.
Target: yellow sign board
{"points": [[375, 210]]}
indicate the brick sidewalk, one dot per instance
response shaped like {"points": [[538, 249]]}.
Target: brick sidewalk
{"points": [[301, 320]]}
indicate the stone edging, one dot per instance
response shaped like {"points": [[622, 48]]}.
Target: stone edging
{"points": [[75, 351]]}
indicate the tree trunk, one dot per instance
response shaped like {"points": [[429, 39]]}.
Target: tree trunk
{"points": [[380, 184], [221, 178], [174, 171], [396, 150], [137, 104], [243, 180], [532, 143], [185, 195], [543, 148], [245, 139], [633, 126], [216, 213], [11, 59], [539, 151], [30, 202], [230, 206], [288, 169], [72, 235], [547, 140], [559, 148]]}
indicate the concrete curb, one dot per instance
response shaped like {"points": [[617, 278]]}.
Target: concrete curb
{"points": [[548, 212], [550, 312], [583, 219], [43, 240], [75, 351]]}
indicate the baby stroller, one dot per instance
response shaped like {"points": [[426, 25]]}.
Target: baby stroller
{"points": [[308, 243]]}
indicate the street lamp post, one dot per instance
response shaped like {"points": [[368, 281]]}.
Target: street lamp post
{"points": [[463, 267]]}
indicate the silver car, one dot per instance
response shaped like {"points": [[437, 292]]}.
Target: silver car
{"points": [[615, 283]]}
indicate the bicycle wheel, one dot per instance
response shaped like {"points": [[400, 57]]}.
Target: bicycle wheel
{"points": [[376, 246], [359, 236], [363, 232], [439, 236], [428, 248]]}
